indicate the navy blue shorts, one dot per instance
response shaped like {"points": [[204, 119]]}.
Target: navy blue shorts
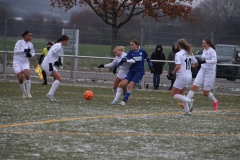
{"points": [[134, 76]]}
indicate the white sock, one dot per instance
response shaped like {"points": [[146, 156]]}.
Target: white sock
{"points": [[114, 91], [118, 94], [211, 97], [190, 94], [186, 107], [28, 85], [181, 98], [54, 87], [22, 86]]}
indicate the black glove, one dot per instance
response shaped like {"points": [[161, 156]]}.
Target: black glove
{"points": [[50, 67], [28, 54], [101, 66], [201, 62], [169, 75], [60, 61], [27, 50], [151, 69], [124, 59], [57, 64], [114, 70]]}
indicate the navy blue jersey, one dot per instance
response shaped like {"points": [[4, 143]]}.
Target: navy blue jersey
{"points": [[139, 56]]}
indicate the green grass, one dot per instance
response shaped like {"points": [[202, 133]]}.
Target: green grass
{"points": [[150, 126]]}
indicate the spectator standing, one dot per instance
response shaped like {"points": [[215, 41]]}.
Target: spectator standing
{"points": [[172, 65], [157, 66]]}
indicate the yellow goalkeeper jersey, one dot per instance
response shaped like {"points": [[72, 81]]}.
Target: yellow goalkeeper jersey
{"points": [[45, 51]]}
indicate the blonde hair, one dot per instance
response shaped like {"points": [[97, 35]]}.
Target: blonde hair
{"points": [[120, 48], [185, 45]]}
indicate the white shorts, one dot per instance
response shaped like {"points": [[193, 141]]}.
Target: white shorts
{"points": [[20, 66], [182, 81], [45, 67], [122, 74], [205, 78]]}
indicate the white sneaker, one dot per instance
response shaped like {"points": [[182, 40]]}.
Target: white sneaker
{"points": [[25, 95], [29, 95], [191, 105], [51, 98], [122, 103], [114, 103]]}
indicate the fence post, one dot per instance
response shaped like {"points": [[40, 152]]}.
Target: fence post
{"points": [[140, 83], [5, 54], [215, 76], [73, 59]]}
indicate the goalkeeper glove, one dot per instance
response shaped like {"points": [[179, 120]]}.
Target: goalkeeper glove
{"points": [[170, 75], [101, 66], [28, 54]]}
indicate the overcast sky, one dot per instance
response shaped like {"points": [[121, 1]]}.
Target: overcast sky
{"points": [[24, 7]]}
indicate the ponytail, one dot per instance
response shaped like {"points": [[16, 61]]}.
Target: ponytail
{"points": [[185, 45], [63, 38], [208, 41]]}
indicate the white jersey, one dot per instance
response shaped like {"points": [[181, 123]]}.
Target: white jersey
{"points": [[210, 57], [53, 54], [185, 60], [117, 59], [19, 54]]}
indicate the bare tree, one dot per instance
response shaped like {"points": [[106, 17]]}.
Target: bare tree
{"points": [[218, 16], [5, 12], [110, 11]]}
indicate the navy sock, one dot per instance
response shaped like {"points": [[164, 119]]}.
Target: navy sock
{"points": [[127, 95]]}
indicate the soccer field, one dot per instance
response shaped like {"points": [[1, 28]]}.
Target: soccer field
{"points": [[150, 126]]}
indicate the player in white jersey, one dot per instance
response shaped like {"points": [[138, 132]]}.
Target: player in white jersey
{"points": [[119, 52], [23, 50], [206, 74], [184, 60], [51, 60]]}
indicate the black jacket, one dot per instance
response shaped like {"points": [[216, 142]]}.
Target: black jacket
{"points": [[158, 55], [171, 57]]}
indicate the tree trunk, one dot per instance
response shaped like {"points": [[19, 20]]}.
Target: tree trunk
{"points": [[114, 33], [114, 40]]}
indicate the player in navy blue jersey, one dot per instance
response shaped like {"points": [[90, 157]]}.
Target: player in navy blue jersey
{"points": [[137, 57]]}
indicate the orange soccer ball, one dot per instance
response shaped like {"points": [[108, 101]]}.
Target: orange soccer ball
{"points": [[88, 95]]}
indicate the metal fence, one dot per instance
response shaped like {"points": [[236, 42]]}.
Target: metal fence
{"points": [[43, 32], [86, 73]]}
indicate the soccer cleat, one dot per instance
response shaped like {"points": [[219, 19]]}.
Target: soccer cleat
{"points": [[114, 103], [25, 95], [191, 105], [29, 95], [51, 98], [187, 114], [181, 105], [122, 103], [215, 105]]}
